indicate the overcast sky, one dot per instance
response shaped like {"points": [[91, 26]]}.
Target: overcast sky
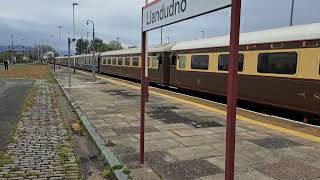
{"points": [[37, 21]]}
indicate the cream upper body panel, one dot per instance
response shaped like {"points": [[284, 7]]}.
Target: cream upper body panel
{"points": [[308, 63]]}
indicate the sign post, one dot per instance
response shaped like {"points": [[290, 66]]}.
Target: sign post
{"points": [[161, 13], [144, 86], [232, 89], [143, 94]]}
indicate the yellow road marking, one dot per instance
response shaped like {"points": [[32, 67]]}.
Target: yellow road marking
{"points": [[245, 119]]}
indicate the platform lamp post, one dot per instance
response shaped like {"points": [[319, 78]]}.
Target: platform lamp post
{"points": [[88, 42], [74, 32], [52, 54], [69, 67], [81, 45], [60, 27], [93, 48], [23, 48]]}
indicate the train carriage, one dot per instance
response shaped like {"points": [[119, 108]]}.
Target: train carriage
{"points": [[84, 62], [277, 67], [62, 60], [127, 63]]}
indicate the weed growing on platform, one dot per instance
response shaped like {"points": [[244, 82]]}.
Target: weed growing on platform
{"points": [[5, 159], [29, 174], [108, 173], [28, 102], [64, 153]]}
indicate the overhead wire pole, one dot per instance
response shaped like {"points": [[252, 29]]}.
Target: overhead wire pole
{"points": [[232, 89], [292, 9], [93, 48], [12, 48]]}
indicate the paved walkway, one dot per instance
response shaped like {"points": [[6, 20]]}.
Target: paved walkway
{"points": [[12, 95], [185, 142], [40, 148]]}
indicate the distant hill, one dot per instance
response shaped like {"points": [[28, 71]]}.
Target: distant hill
{"points": [[3, 48], [16, 48]]}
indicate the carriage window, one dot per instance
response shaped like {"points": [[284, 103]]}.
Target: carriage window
{"points": [[109, 61], [153, 61], [104, 61], [127, 61], [223, 62], [278, 63], [149, 62], [114, 61], [174, 59], [120, 61], [182, 62], [135, 61], [200, 62], [160, 60]]}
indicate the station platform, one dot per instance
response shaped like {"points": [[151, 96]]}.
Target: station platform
{"points": [[187, 141]]}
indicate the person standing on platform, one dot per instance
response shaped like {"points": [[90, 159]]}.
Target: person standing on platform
{"points": [[6, 65]]}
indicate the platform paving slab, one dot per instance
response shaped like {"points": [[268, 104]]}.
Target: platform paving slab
{"points": [[177, 145]]}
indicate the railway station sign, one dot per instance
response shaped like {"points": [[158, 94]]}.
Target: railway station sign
{"points": [[164, 12]]}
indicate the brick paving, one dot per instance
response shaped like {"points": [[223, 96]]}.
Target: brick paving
{"points": [[41, 147], [186, 142]]}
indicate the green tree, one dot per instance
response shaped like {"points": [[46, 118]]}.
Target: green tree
{"points": [[99, 45], [81, 46], [44, 48], [6, 55], [114, 45]]}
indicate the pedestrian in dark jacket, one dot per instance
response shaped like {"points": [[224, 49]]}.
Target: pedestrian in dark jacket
{"points": [[6, 65]]}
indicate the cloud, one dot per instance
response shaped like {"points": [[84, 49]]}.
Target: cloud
{"points": [[37, 21]]}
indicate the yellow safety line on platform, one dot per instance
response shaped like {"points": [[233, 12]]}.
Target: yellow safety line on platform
{"points": [[248, 120]]}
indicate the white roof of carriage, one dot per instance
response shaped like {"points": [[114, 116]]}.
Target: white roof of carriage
{"points": [[293, 33], [158, 48], [61, 57]]}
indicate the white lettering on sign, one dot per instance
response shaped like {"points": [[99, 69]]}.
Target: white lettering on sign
{"points": [[316, 96], [164, 12]]}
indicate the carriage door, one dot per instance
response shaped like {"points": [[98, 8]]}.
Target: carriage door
{"points": [[172, 66], [165, 62]]}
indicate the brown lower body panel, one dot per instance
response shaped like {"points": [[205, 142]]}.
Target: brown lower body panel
{"points": [[294, 94], [155, 75]]}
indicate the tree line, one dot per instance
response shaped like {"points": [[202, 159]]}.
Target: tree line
{"points": [[84, 47]]}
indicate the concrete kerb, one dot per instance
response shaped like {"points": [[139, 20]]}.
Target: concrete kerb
{"points": [[105, 152]]}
